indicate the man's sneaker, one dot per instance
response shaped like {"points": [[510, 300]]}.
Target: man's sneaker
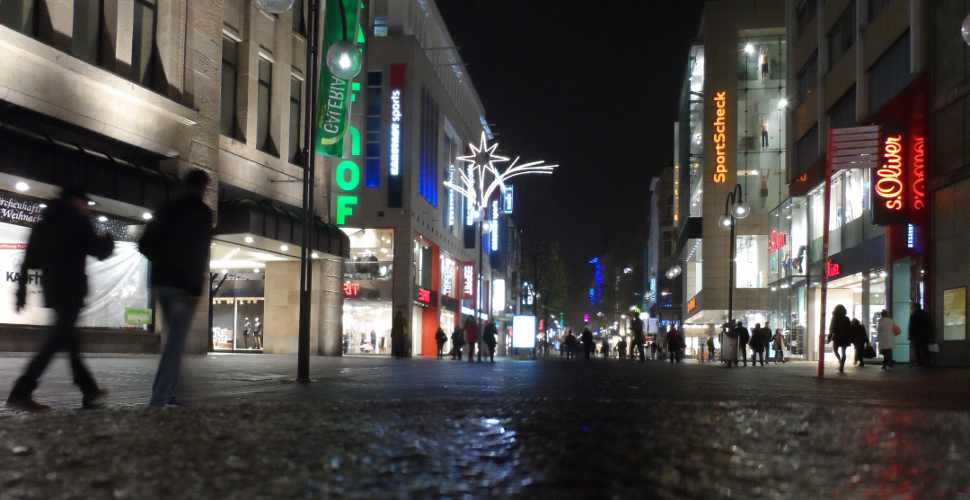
{"points": [[95, 400], [26, 404]]}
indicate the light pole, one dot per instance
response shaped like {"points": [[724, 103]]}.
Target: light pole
{"points": [[480, 181], [734, 208], [344, 61]]}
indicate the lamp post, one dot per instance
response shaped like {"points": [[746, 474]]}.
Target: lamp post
{"points": [[480, 181], [343, 60], [734, 208]]}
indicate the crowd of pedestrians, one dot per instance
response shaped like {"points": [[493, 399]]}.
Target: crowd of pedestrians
{"points": [[737, 340]]}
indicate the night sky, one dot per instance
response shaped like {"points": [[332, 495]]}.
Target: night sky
{"points": [[592, 88]]}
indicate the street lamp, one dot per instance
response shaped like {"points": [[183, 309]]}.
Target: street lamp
{"points": [[965, 29], [734, 208]]}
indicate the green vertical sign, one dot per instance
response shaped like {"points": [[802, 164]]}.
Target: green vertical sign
{"points": [[335, 93]]}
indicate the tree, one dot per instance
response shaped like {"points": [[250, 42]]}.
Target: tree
{"points": [[553, 283]]}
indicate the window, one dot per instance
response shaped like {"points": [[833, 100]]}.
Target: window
{"points": [[876, 7], [299, 17], [380, 26], [144, 52], [230, 83], [806, 151], [372, 161], [20, 16], [842, 36], [808, 78], [805, 13], [751, 261], [86, 37], [428, 173], [264, 140], [842, 113], [890, 74], [296, 120]]}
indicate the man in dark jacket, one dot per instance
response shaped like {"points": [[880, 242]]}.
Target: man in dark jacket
{"points": [[59, 245], [457, 342], [491, 340], [636, 326], [177, 244], [441, 338], [921, 334], [587, 339], [744, 336]]}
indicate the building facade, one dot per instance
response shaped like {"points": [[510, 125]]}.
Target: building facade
{"points": [[120, 97], [730, 135], [414, 243]]}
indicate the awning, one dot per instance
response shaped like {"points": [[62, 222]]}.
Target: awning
{"points": [[275, 221]]}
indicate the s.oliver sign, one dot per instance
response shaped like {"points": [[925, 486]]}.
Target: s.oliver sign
{"points": [[899, 179]]}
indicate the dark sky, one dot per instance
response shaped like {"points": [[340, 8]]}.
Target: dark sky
{"points": [[589, 85]]}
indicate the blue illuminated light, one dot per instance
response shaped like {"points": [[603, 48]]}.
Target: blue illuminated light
{"points": [[910, 236]]}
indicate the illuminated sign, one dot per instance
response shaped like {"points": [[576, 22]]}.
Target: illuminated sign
{"points": [[468, 281], [832, 269], [776, 241], [498, 296], [692, 304], [918, 180], [351, 289], [720, 137], [494, 231], [451, 197], [448, 269], [585, 317], [910, 236], [508, 199], [889, 185], [396, 140], [524, 332], [470, 212], [424, 296]]}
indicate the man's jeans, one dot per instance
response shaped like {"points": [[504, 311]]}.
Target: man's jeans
{"points": [[178, 307]]}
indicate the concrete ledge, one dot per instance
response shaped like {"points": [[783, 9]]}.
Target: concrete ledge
{"points": [[27, 339]]}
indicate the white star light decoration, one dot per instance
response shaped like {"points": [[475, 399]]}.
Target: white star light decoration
{"points": [[480, 180]]}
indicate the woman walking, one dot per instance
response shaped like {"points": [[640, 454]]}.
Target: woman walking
{"points": [[840, 334], [888, 330], [779, 346]]}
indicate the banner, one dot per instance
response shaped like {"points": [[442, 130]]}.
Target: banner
{"points": [[335, 93]]}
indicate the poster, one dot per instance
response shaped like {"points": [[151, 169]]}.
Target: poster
{"points": [[955, 314]]}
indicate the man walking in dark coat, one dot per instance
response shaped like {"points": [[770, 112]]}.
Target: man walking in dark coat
{"points": [[177, 244], [744, 336], [921, 334], [59, 245], [587, 339]]}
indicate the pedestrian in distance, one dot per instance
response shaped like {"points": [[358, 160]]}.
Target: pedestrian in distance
{"points": [[744, 337], [398, 335], [840, 334], [757, 347], [888, 331], [58, 246], [779, 346], [921, 335], [490, 340], [587, 339], [441, 338], [674, 344], [621, 349], [710, 348], [605, 347], [730, 344], [636, 326], [177, 243], [860, 341], [471, 339], [457, 342]]}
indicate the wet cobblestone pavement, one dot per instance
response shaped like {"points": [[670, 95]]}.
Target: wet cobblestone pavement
{"points": [[373, 428]]}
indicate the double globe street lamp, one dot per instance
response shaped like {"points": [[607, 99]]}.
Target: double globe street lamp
{"points": [[344, 60], [734, 208]]}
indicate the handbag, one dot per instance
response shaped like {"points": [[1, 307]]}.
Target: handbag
{"points": [[869, 352]]}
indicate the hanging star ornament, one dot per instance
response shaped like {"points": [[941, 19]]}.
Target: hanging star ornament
{"points": [[481, 178]]}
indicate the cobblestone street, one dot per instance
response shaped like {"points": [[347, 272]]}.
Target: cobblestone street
{"points": [[380, 428]]}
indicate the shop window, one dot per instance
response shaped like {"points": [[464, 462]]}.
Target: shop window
{"points": [[890, 75], [842, 35], [88, 33], [842, 114], [371, 255], [751, 261], [264, 138], [805, 12], [694, 271], [808, 79], [229, 118], [761, 59], [296, 120], [299, 17]]}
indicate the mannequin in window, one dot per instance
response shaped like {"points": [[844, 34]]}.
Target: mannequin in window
{"points": [[763, 61], [257, 333], [247, 332], [764, 134]]}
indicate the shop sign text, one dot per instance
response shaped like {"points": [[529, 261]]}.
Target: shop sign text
{"points": [[468, 281], [832, 269], [692, 305], [776, 241], [918, 181], [424, 296], [351, 289], [720, 137], [889, 188]]}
